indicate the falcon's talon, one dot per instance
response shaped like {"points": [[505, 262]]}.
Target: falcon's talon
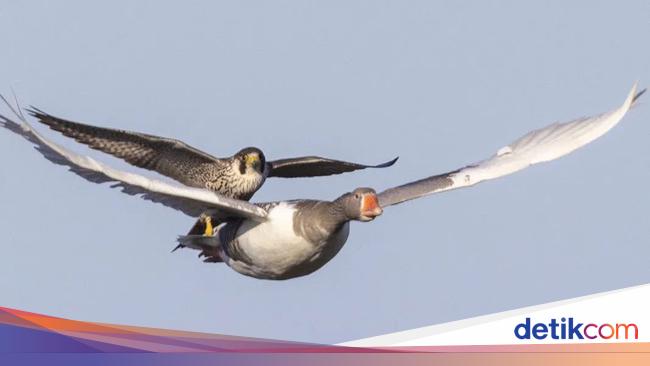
{"points": [[209, 230]]}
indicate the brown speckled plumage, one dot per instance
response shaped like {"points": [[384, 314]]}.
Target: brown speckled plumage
{"points": [[192, 167], [170, 157]]}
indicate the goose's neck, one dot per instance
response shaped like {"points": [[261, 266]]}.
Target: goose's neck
{"points": [[336, 212], [317, 220]]}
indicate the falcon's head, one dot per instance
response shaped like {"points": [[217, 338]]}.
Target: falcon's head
{"points": [[251, 160]]}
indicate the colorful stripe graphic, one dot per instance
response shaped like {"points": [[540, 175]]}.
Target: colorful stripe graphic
{"points": [[22, 332], [29, 338]]}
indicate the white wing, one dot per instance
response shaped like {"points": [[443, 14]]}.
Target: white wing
{"points": [[191, 201], [541, 145]]}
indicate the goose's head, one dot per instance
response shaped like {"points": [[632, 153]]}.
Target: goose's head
{"points": [[360, 204]]}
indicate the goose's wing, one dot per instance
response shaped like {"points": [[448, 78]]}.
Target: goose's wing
{"points": [[315, 166], [172, 158], [537, 146], [191, 201]]}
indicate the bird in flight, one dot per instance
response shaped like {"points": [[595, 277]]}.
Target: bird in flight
{"points": [[238, 176], [287, 239]]}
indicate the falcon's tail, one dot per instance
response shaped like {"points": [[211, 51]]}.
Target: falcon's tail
{"points": [[208, 245]]}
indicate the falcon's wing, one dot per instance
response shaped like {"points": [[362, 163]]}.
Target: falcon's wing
{"points": [[314, 166], [538, 146], [172, 158], [191, 201]]}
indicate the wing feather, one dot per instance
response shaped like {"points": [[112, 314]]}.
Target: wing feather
{"points": [[545, 144], [172, 158], [191, 201], [315, 166]]}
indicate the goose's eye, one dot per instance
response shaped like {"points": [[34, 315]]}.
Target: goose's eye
{"points": [[357, 196]]}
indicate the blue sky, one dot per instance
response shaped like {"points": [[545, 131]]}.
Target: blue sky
{"points": [[441, 84]]}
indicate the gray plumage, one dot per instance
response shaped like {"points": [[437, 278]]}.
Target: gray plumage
{"points": [[415, 189], [318, 231]]}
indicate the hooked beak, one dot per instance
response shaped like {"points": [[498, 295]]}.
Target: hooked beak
{"points": [[253, 161], [370, 207]]}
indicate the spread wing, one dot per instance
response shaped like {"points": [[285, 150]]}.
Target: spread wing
{"points": [[172, 158], [191, 201], [545, 144], [314, 166]]}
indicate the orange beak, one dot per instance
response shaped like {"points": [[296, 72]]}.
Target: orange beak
{"points": [[370, 206]]}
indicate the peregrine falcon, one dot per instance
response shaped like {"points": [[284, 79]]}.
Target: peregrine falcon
{"points": [[238, 176]]}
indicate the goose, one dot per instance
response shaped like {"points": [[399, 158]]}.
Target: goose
{"points": [[287, 239]]}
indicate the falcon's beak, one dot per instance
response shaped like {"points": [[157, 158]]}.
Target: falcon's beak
{"points": [[253, 161], [370, 207]]}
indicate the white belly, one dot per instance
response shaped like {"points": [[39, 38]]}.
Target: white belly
{"points": [[273, 250]]}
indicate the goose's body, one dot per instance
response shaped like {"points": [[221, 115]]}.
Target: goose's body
{"points": [[284, 246], [288, 239], [296, 238]]}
